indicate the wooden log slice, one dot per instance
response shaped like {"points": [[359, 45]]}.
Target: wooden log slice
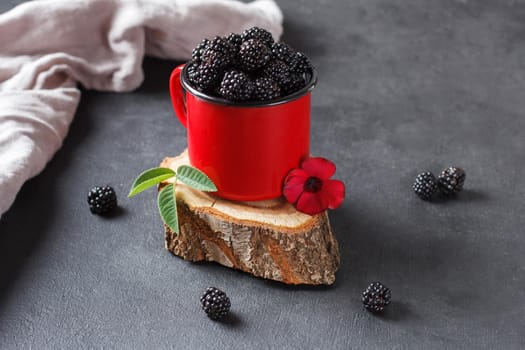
{"points": [[269, 239]]}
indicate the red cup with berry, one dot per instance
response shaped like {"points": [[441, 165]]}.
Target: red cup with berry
{"points": [[245, 102]]}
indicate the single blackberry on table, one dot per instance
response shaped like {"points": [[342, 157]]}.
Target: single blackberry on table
{"points": [[300, 64], [102, 199], [199, 49], [376, 297], [283, 52], [258, 33], [236, 86], [278, 71], [253, 55], [425, 185], [451, 180], [295, 84], [215, 303], [265, 89]]}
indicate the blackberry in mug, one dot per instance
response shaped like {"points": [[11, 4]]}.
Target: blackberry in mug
{"points": [[264, 70]]}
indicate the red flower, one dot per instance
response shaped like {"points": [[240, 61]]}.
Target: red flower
{"points": [[310, 188]]}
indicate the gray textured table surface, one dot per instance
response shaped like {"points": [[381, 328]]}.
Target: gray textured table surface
{"points": [[402, 88]]}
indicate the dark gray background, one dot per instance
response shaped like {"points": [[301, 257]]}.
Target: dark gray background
{"points": [[403, 87]]}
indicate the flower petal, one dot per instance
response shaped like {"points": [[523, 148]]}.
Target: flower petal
{"points": [[333, 193], [311, 203], [294, 185], [319, 167]]}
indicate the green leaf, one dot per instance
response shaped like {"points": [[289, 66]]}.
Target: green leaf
{"points": [[150, 178], [195, 178], [168, 207]]}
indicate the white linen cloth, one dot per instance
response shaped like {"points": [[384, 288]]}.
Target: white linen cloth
{"points": [[48, 46]]}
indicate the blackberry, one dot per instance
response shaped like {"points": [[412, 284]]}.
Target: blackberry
{"points": [[283, 52], [266, 89], [221, 45], [295, 84], [253, 55], [278, 71], [192, 71], [235, 40], [215, 58], [451, 180], [376, 297], [102, 199], [218, 52], [425, 185], [236, 86], [215, 303], [300, 64], [199, 49], [259, 34], [207, 77]]}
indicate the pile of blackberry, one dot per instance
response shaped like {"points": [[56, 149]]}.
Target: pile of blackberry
{"points": [[247, 67], [450, 182]]}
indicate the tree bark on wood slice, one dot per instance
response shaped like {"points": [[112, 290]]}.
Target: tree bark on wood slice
{"points": [[269, 239]]}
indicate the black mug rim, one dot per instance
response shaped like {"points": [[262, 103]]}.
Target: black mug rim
{"points": [[222, 101]]}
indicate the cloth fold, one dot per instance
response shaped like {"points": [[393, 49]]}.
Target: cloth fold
{"points": [[47, 47]]}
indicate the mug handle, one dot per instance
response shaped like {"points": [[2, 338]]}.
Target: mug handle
{"points": [[177, 95]]}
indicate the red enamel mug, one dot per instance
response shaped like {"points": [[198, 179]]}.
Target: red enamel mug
{"points": [[247, 149]]}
